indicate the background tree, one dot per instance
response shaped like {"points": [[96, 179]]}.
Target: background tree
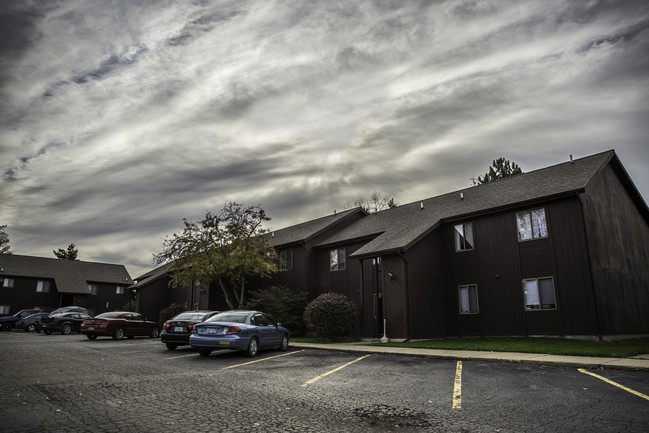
{"points": [[69, 254], [500, 169], [4, 240], [227, 248], [374, 203]]}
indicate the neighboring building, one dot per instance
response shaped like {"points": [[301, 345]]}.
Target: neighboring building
{"points": [[38, 282]]}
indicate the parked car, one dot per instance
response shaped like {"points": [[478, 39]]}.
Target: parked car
{"points": [[31, 322], [63, 322], [176, 331], [248, 331], [7, 323], [119, 324], [69, 309]]}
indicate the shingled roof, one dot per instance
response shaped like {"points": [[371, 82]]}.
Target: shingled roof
{"points": [[401, 227], [70, 276]]}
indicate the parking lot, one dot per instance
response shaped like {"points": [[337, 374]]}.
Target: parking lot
{"points": [[70, 384]]}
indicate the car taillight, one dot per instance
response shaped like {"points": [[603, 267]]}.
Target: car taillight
{"points": [[21, 320], [166, 326], [190, 326], [234, 330], [55, 320], [194, 330]]}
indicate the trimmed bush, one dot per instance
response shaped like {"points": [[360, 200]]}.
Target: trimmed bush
{"points": [[170, 312], [330, 315], [282, 304]]}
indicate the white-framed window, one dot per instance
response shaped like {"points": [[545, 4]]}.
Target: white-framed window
{"points": [[119, 290], [7, 282], [285, 260], [43, 286], [337, 259], [531, 224], [4, 309], [464, 237], [468, 299], [539, 294], [93, 288]]}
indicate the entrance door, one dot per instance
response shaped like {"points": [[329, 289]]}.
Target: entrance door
{"points": [[372, 298]]}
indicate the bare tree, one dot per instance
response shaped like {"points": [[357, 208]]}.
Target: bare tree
{"points": [[374, 203]]}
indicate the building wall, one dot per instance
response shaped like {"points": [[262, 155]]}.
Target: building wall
{"points": [[618, 245], [23, 295]]}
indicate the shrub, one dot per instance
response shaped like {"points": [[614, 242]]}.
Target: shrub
{"points": [[282, 304], [170, 312], [330, 315], [129, 306]]}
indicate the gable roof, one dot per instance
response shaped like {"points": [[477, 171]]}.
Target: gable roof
{"points": [[70, 276], [401, 227], [152, 275], [308, 230]]}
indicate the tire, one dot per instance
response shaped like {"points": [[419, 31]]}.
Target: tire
{"points": [[91, 336], [119, 333], [204, 351], [7, 326], [48, 332], [253, 348], [155, 332], [66, 328], [30, 328], [171, 346], [284, 345]]}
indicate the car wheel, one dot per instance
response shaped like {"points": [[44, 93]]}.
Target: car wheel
{"points": [[66, 329], [48, 332], [6, 326], [171, 346], [91, 336], [284, 346], [204, 351], [119, 333], [30, 328], [253, 348], [155, 332]]}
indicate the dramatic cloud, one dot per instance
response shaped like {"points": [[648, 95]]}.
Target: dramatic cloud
{"points": [[119, 119]]}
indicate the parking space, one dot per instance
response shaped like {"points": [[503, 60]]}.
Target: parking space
{"points": [[68, 382]]}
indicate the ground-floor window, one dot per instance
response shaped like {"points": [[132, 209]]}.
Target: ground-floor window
{"points": [[4, 309], [468, 299], [539, 294]]}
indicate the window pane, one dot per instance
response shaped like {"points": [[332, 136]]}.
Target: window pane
{"points": [[539, 227], [333, 260], [524, 226], [459, 235], [341, 259], [473, 299], [464, 299], [546, 292], [468, 236], [531, 291]]}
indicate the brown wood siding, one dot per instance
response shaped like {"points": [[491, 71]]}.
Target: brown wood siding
{"points": [[23, 295], [618, 240]]}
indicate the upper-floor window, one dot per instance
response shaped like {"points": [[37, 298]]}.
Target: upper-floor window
{"points": [[43, 286], [464, 237], [337, 259], [285, 260], [119, 290], [7, 282], [468, 299], [539, 294], [531, 224], [92, 288]]}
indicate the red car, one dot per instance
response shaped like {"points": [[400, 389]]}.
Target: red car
{"points": [[119, 324]]}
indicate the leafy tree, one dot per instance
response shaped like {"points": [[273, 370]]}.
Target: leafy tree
{"points": [[227, 247], [170, 312], [69, 254], [500, 169], [4, 240], [374, 203]]}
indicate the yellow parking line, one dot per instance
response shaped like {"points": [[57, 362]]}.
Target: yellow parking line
{"points": [[639, 394], [457, 389], [308, 382], [260, 360]]}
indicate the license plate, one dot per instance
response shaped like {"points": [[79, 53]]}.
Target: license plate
{"points": [[179, 329], [91, 328], [225, 343]]}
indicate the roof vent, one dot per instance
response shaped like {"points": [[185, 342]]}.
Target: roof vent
{"points": [[461, 196], [421, 205], [334, 211], [571, 160], [272, 234]]}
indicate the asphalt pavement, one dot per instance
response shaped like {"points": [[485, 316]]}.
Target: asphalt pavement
{"points": [[640, 362]]}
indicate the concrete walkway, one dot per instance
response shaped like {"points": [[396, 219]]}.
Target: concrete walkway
{"points": [[591, 362]]}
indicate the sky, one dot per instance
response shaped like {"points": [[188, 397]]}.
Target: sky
{"points": [[119, 119]]}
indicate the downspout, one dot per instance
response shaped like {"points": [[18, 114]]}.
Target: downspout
{"points": [[406, 288], [590, 265]]}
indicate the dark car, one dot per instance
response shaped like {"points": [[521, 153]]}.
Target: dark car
{"points": [[63, 322], [71, 308], [119, 324], [31, 322], [248, 331], [176, 332], [7, 323]]}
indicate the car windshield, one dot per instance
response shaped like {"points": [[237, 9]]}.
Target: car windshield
{"points": [[110, 315], [190, 316], [229, 316]]}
